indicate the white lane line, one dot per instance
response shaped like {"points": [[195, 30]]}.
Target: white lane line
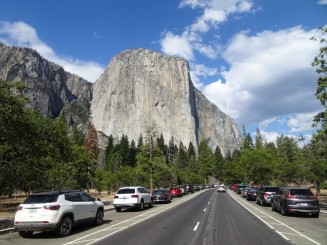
{"points": [[204, 210], [196, 226], [268, 216], [132, 222]]}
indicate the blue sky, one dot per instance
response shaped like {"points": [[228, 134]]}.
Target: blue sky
{"points": [[249, 57]]}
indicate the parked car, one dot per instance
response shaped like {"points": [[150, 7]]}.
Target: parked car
{"points": [[264, 194], [251, 194], [183, 189], [240, 188], [175, 191], [197, 187], [190, 188], [161, 195], [244, 191], [221, 189], [289, 200], [57, 210], [132, 197]]}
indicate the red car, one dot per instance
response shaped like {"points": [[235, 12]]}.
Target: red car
{"points": [[175, 191]]}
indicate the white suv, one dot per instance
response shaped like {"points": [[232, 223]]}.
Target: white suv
{"points": [[132, 196], [57, 210]]}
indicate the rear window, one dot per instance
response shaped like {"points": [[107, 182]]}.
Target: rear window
{"points": [[271, 189], [126, 191], [159, 192], [40, 199], [304, 192]]}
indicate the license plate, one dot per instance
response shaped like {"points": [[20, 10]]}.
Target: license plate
{"points": [[303, 204], [32, 211]]}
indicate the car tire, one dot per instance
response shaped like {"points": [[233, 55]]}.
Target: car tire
{"points": [[99, 217], [25, 234], [65, 227], [118, 210], [283, 211], [151, 204], [315, 215], [273, 208], [141, 208]]}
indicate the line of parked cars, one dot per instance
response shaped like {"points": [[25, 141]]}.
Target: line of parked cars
{"points": [[60, 211], [286, 200], [139, 197]]}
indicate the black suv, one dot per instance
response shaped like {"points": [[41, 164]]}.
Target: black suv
{"points": [[295, 200], [264, 194]]}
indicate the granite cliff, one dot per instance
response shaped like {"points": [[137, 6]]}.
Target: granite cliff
{"points": [[139, 89]]}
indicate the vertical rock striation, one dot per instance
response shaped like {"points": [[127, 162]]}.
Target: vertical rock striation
{"points": [[141, 89]]}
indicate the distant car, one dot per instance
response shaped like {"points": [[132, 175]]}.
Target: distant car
{"points": [[175, 191], [289, 200], [161, 195], [132, 197], [264, 194], [221, 189], [244, 191], [190, 188], [57, 210], [240, 188], [251, 194]]}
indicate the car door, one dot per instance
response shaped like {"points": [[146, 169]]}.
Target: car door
{"points": [[89, 206], [77, 205]]}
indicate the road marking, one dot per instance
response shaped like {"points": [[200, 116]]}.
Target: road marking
{"points": [[196, 226], [204, 210], [269, 225], [132, 221]]}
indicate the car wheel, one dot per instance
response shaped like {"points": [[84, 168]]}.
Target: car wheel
{"points": [[141, 206], [118, 210], [273, 208], [25, 234], [315, 215], [151, 204], [262, 203], [99, 217], [283, 211], [65, 226]]}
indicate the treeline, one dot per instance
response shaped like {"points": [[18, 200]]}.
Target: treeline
{"points": [[38, 153]]}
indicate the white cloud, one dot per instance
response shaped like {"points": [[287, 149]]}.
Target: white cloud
{"points": [[300, 122], [270, 75], [322, 2], [177, 45], [22, 34]]}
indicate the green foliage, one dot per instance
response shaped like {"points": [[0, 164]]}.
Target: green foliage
{"points": [[321, 92]]}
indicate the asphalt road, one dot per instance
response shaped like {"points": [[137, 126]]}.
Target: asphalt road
{"points": [[205, 217]]}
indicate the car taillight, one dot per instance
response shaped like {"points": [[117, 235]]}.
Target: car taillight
{"points": [[266, 194], [115, 196], [19, 208], [134, 196], [52, 207], [290, 196]]}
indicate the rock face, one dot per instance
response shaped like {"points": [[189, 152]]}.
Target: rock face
{"points": [[50, 88], [141, 89]]}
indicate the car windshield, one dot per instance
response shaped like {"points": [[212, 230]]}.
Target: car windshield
{"points": [[40, 199], [126, 191], [304, 192], [252, 190]]}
